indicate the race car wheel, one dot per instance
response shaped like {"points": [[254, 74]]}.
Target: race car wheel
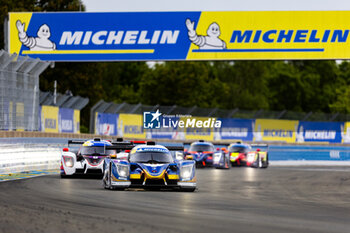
{"points": [[64, 176], [259, 161], [227, 163], [266, 163], [188, 189], [106, 180]]}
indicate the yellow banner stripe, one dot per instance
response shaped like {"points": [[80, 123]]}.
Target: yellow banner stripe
{"points": [[121, 51]]}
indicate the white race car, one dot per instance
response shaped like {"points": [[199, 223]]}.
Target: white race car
{"points": [[88, 157]]}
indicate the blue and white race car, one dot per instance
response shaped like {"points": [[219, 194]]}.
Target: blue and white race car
{"points": [[201, 152], [221, 159], [88, 157], [149, 166]]}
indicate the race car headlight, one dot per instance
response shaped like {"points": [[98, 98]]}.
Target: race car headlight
{"points": [[217, 157], [186, 172], [68, 161], [123, 170]]}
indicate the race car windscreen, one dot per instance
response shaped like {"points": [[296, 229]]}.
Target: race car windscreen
{"points": [[201, 148], [238, 149], [151, 157], [89, 150]]}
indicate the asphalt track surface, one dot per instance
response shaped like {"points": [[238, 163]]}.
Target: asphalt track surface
{"points": [[276, 199]]}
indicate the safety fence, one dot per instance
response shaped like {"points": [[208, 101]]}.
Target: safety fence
{"points": [[19, 91], [28, 157]]}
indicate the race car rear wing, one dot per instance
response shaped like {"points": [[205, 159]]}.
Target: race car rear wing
{"points": [[76, 142], [261, 146], [175, 148], [215, 144], [121, 146]]}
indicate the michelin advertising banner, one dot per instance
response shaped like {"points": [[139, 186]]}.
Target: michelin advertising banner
{"points": [[168, 131], [194, 132], [235, 129], [76, 120], [106, 124], [131, 126], [331, 132], [142, 36], [346, 132], [49, 119], [65, 120], [275, 130]]}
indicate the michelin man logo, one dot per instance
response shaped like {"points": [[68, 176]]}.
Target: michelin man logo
{"points": [[151, 120], [210, 41], [39, 43], [299, 137]]}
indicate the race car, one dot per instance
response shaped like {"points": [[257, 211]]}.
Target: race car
{"points": [[149, 166], [87, 158], [258, 157], [221, 158], [238, 153], [201, 152]]}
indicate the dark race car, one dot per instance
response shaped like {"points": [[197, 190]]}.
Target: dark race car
{"points": [[202, 152]]}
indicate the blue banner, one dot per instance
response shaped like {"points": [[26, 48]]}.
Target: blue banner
{"points": [[78, 36], [235, 129], [66, 120], [106, 124], [319, 132]]}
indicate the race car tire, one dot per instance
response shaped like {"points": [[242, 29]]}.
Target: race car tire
{"points": [[64, 176], [188, 189], [106, 180], [227, 164]]}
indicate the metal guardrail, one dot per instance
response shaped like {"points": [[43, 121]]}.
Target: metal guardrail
{"points": [[16, 158]]}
